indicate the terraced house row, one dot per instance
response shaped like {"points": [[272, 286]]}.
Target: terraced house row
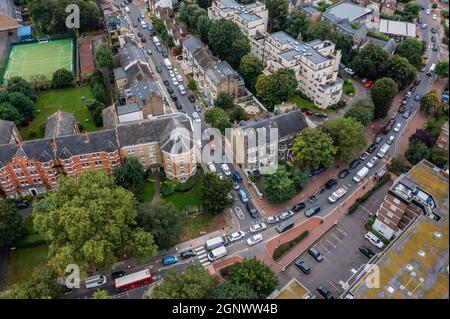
{"points": [[33, 167]]}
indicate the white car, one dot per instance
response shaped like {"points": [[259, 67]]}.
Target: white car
{"points": [[258, 227], [172, 75], [434, 16], [211, 167], [349, 71], [286, 214], [196, 117], [272, 219], [372, 162], [397, 127], [374, 240], [176, 71], [182, 89], [428, 11], [179, 78], [225, 169], [127, 9], [254, 240], [236, 236], [174, 81]]}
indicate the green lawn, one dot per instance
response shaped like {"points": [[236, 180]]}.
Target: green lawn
{"points": [[305, 103], [68, 100], [193, 227], [348, 88], [434, 124], [191, 198], [146, 193], [23, 262]]}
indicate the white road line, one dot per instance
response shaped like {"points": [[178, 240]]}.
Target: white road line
{"points": [[201, 256], [203, 259], [199, 249], [331, 243], [328, 251], [341, 231], [335, 237]]}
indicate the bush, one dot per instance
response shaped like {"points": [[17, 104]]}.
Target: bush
{"points": [[281, 250], [434, 5], [381, 237], [63, 78], [185, 187], [31, 240], [167, 187]]}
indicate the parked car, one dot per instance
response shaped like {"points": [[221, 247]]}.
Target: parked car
{"points": [[312, 199], [355, 163], [252, 210], [22, 205], [178, 105], [197, 108], [343, 173], [433, 30], [406, 114], [243, 196], [372, 148], [258, 227], [174, 97], [309, 113], [313, 210], [166, 83], [390, 140], [324, 292], [191, 98], [435, 47], [286, 214], [298, 207], [378, 139], [236, 236], [179, 78], [366, 251], [417, 97], [368, 84], [330, 183], [225, 169], [320, 114], [397, 127], [315, 172], [363, 156], [423, 26], [237, 177], [170, 90], [417, 81], [300, 264], [372, 162], [433, 38], [315, 254], [253, 240], [401, 109], [272, 219], [164, 54], [374, 240], [188, 254], [434, 16], [158, 69], [349, 71], [169, 260]]}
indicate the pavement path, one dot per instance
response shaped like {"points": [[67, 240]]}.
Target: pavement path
{"points": [[157, 192]]}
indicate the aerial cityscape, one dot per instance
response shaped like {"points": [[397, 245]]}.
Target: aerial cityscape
{"points": [[224, 149]]}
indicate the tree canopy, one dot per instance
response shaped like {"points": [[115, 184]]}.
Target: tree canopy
{"points": [[229, 290], [217, 118], [11, 227], [371, 61], [130, 175], [62, 78], [104, 56], [19, 84], [89, 222], [399, 69], [224, 101], [250, 68], [442, 69], [362, 111], [284, 183], [276, 88], [429, 101], [215, 193], [382, 93], [278, 13], [417, 151], [412, 49]]}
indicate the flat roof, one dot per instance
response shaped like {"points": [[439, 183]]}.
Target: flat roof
{"points": [[350, 11], [404, 29], [128, 108], [292, 290]]}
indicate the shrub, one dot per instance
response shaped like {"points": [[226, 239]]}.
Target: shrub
{"points": [[283, 249], [31, 240], [185, 187], [167, 187], [381, 237]]}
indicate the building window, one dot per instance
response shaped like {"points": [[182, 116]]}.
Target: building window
{"points": [[85, 165], [83, 157], [130, 152], [98, 163]]}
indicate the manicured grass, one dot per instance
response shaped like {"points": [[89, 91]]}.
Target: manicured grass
{"points": [[377, 35], [68, 100], [146, 193], [434, 124], [193, 227], [23, 262], [187, 199], [301, 102], [348, 88]]}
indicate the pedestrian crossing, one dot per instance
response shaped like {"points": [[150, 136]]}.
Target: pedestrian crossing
{"points": [[202, 256]]}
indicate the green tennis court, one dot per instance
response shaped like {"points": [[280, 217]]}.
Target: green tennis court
{"points": [[39, 58]]}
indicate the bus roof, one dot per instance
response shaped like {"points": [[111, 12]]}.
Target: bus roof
{"points": [[128, 279]]}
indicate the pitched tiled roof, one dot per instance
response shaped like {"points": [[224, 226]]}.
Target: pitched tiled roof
{"points": [[6, 131], [109, 117], [61, 124]]}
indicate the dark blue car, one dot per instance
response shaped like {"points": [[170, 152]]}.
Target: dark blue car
{"points": [[237, 177], [315, 172]]}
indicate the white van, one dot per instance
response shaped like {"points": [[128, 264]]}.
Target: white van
{"points": [[156, 41], [215, 242], [168, 64], [383, 150], [95, 281], [374, 240], [217, 253], [361, 174]]}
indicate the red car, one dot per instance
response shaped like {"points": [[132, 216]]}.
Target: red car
{"points": [[368, 84], [310, 113], [212, 144]]}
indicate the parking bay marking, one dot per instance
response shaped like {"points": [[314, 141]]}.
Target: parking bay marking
{"points": [[239, 212], [335, 237]]}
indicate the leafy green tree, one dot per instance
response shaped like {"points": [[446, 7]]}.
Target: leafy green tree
{"points": [[10, 113], [130, 175], [194, 283], [297, 23], [254, 273], [398, 164], [411, 11], [162, 220], [313, 148], [319, 30], [104, 56], [203, 26], [399, 69], [230, 290], [214, 193], [371, 61], [43, 285], [11, 227], [101, 294], [19, 84], [276, 88], [41, 13], [362, 111], [97, 114], [39, 82], [62, 78], [417, 151], [23, 104], [192, 85], [442, 69], [382, 93], [429, 101], [412, 49], [218, 118], [347, 134], [426, 137], [279, 186], [224, 101], [89, 222], [238, 114], [227, 42], [250, 68], [278, 13], [204, 3], [439, 156], [345, 43], [190, 15]]}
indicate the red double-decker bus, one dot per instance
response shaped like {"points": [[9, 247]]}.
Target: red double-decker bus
{"points": [[131, 281]]}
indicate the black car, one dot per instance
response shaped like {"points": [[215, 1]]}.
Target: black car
{"points": [[320, 114], [164, 53], [191, 98], [343, 173], [174, 97], [312, 199], [391, 121], [433, 30], [331, 183], [140, 34], [300, 264], [178, 105], [324, 292], [412, 88], [435, 47], [366, 251], [159, 49], [387, 128], [298, 207], [166, 83], [355, 163], [180, 57], [135, 24], [22, 205], [252, 210], [158, 69], [143, 39], [170, 90], [118, 274], [188, 254], [401, 108], [417, 81], [372, 148]]}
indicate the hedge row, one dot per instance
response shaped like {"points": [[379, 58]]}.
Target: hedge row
{"points": [[281, 250], [362, 199], [31, 240]]}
